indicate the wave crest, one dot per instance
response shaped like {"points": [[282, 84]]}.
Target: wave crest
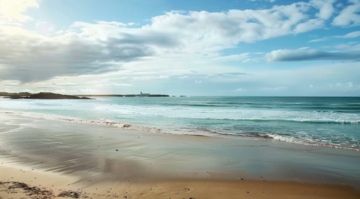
{"points": [[282, 137]]}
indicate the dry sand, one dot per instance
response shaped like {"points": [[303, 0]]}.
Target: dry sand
{"points": [[20, 182]]}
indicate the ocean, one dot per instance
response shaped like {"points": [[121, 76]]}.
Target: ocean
{"points": [[324, 121]]}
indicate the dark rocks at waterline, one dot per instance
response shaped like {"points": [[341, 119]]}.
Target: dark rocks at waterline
{"points": [[69, 194]]}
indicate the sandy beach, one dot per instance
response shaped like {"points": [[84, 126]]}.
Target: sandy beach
{"points": [[28, 183]]}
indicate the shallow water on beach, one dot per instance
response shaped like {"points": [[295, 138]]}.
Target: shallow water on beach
{"points": [[325, 121], [97, 153]]}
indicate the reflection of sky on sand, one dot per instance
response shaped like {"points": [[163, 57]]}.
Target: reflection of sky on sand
{"points": [[105, 153]]}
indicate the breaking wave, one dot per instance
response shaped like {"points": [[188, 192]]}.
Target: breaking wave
{"points": [[351, 144]]}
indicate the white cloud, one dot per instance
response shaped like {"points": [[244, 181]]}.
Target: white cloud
{"points": [[14, 10], [326, 8], [309, 25], [28, 56], [351, 35], [173, 43], [212, 31], [349, 15], [237, 58]]}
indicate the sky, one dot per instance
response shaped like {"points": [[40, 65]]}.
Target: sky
{"points": [[177, 47]]}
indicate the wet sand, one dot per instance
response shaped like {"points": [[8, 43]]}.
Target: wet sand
{"points": [[106, 162], [40, 184]]}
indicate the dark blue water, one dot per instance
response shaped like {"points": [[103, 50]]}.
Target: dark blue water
{"points": [[326, 121]]}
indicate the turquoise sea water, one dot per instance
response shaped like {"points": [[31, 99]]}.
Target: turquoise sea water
{"points": [[326, 121]]}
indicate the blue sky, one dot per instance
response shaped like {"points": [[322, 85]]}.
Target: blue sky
{"points": [[138, 11], [200, 47]]}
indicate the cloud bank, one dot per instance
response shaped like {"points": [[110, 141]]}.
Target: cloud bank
{"points": [[91, 48]]}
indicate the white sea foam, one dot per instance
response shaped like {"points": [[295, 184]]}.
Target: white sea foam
{"points": [[304, 140], [232, 113]]}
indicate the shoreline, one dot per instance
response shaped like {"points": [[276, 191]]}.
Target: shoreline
{"points": [[52, 156], [19, 183], [158, 130]]}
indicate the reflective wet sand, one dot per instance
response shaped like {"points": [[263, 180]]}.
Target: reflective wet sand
{"points": [[96, 153]]}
